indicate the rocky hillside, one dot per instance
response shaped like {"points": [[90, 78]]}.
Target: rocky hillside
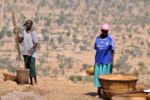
{"points": [[67, 29]]}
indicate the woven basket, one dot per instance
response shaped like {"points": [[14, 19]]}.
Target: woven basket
{"points": [[136, 96], [117, 84]]}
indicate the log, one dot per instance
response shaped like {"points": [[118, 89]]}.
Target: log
{"points": [[23, 76]]}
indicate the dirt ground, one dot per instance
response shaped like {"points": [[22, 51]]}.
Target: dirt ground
{"points": [[54, 89]]}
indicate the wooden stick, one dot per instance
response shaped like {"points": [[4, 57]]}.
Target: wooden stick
{"points": [[2, 11], [17, 37]]}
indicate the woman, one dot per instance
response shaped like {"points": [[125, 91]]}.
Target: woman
{"points": [[104, 46], [30, 42]]}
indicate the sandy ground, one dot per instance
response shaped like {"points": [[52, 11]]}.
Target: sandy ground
{"points": [[54, 89]]}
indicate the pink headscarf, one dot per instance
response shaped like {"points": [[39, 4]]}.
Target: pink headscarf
{"points": [[105, 26]]}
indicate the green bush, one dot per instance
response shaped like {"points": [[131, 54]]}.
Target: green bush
{"points": [[5, 31], [141, 64], [148, 44], [12, 68], [48, 19], [83, 47], [43, 3], [88, 79], [148, 31], [85, 66], [62, 18], [46, 71], [62, 66], [75, 78], [22, 18], [117, 29], [37, 17], [121, 64]]}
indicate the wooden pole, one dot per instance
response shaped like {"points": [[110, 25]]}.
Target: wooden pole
{"points": [[16, 38], [2, 10], [22, 73]]}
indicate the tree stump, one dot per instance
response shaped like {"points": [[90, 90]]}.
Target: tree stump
{"points": [[23, 76]]}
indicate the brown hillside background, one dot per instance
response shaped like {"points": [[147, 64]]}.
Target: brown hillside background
{"points": [[67, 29]]}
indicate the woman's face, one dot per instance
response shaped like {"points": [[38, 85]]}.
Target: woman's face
{"points": [[104, 31]]}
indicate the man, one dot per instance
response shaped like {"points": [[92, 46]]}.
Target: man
{"points": [[30, 42]]}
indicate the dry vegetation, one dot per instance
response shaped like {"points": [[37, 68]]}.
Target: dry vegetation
{"points": [[67, 29]]}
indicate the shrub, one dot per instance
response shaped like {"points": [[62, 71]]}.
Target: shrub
{"points": [[2, 33], [136, 52], [142, 68], [62, 18], [45, 34], [121, 64], [85, 66], [22, 18], [141, 64], [61, 66], [148, 31], [88, 78], [83, 47], [43, 2], [12, 68], [60, 39], [148, 53], [48, 19], [117, 29], [75, 78], [46, 71], [148, 44], [37, 17], [64, 62]]}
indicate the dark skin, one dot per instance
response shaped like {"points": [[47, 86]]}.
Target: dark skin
{"points": [[28, 26], [103, 35]]}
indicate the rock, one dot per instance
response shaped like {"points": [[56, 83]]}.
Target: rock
{"points": [[22, 96]]}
